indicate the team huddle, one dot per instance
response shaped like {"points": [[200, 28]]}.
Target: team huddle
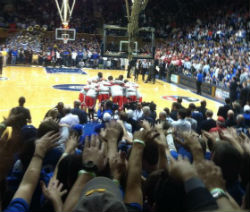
{"points": [[121, 91]]}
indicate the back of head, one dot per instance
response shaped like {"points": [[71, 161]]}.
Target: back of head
{"points": [[228, 159], [77, 104], [203, 103], [68, 170], [230, 114], [167, 111], [21, 101], [240, 119], [188, 113], [100, 74], [123, 116], [209, 113], [179, 100], [192, 106], [146, 110], [151, 153], [47, 126], [228, 101], [182, 113], [163, 192]]}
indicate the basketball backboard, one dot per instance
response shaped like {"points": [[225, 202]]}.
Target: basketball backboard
{"points": [[65, 34], [115, 42]]}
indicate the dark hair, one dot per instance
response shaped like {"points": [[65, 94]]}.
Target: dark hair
{"points": [[28, 150], [192, 106], [182, 113], [203, 103], [228, 101], [164, 192], [179, 100], [100, 74], [68, 170], [176, 105], [167, 110], [47, 126], [123, 116], [21, 100], [228, 159], [110, 78]]}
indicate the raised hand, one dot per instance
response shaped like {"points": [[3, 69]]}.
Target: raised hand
{"points": [[118, 165], [54, 192], [47, 142], [181, 169], [95, 151], [210, 174], [191, 142], [71, 144]]}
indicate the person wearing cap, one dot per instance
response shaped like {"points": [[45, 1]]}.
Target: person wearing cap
{"points": [[220, 125], [246, 115]]}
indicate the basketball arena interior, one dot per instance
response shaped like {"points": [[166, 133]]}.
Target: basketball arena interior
{"points": [[124, 105]]}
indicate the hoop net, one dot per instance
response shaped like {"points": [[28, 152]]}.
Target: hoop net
{"points": [[65, 38]]}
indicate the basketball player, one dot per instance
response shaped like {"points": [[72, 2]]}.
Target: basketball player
{"points": [[91, 99], [131, 91], [117, 93], [103, 91]]}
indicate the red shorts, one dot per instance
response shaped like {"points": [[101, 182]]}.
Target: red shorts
{"points": [[125, 100], [103, 97], [140, 99], [90, 102], [81, 97], [118, 100], [132, 99]]}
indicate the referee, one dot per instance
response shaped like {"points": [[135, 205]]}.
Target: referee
{"points": [[199, 80]]}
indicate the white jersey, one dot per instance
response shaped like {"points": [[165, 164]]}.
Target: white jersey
{"points": [[104, 87], [116, 88], [131, 89], [92, 91]]}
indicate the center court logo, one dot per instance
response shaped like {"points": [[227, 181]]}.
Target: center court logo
{"points": [[185, 99], [69, 87]]}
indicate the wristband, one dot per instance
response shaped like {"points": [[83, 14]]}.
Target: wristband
{"points": [[64, 154], [38, 156], [2, 125], [86, 172], [116, 182], [139, 141], [216, 190]]}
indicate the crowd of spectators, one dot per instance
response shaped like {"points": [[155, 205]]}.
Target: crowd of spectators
{"points": [[127, 159]]}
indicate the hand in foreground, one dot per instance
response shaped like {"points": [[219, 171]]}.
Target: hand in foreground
{"points": [[53, 192], [245, 143], [210, 174], [112, 132], [181, 169], [95, 151], [47, 142], [118, 165], [71, 144]]}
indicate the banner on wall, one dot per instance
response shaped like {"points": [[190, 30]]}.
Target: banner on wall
{"points": [[221, 93], [174, 78]]}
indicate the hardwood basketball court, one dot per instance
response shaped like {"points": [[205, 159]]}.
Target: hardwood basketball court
{"points": [[36, 85]]}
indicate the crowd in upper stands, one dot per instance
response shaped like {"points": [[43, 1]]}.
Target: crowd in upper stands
{"points": [[215, 41]]}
